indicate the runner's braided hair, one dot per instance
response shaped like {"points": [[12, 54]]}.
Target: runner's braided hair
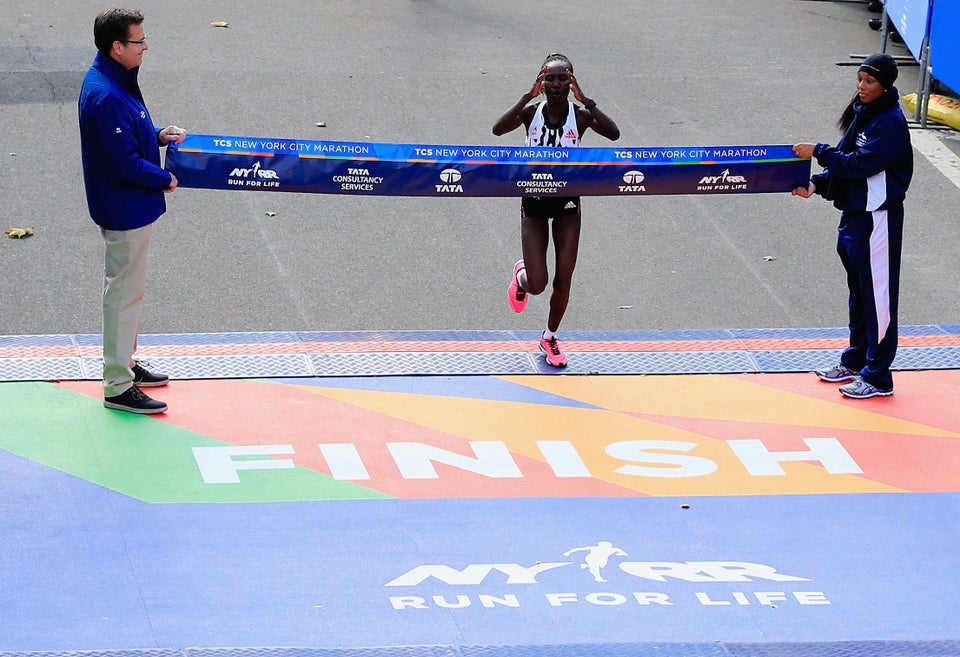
{"points": [[557, 57]]}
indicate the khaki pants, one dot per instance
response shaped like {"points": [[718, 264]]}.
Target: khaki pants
{"points": [[126, 255]]}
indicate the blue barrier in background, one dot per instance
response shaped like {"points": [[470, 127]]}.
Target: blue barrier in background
{"points": [[944, 43], [909, 17], [929, 30]]}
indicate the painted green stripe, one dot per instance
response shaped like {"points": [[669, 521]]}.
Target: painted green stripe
{"points": [[140, 456]]}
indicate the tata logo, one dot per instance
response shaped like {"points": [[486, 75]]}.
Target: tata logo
{"points": [[632, 180], [450, 179]]}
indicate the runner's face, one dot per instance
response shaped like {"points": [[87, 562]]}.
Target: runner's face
{"points": [[556, 81], [868, 88]]}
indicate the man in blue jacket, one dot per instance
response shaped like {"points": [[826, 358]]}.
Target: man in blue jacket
{"points": [[125, 187]]}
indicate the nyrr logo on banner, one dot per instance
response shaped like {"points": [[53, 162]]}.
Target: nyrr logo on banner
{"points": [[597, 566], [725, 182], [254, 176]]}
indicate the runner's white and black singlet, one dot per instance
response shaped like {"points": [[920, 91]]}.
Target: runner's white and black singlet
{"points": [[543, 133]]}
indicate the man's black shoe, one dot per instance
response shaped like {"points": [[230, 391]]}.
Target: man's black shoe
{"points": [[876, 6], [134, 401], [146, 379]]}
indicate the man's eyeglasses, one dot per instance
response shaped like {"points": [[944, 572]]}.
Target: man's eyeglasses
{"points": [[139, 43]]}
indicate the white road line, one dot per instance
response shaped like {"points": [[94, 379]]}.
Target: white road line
{"points": [[937, 154]]}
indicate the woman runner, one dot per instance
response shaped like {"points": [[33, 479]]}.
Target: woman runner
{"points": [[558, 123]]}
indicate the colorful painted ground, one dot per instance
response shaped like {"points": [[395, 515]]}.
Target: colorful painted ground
{"points": [[727, 514]]}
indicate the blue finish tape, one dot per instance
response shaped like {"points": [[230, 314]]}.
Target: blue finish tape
{"points": [[379, 169]]}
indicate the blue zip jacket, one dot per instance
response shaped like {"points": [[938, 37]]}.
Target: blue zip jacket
{"points": [[871, 168], [120, 149]]}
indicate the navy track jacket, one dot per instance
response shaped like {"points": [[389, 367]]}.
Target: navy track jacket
{"points": [[120, 149], [870, 169]]}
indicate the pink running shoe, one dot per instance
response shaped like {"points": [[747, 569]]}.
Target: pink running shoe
{"points": [[551, 350], [516, 295]]}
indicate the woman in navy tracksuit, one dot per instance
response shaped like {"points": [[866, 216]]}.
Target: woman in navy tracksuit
{"points": [[866, 176]]}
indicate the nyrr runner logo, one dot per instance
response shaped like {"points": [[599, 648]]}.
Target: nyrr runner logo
{"points": [[450, 179], [725, 182], [254, 176], [632, 180], [604, 563]]}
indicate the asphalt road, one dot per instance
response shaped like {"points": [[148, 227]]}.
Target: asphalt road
{"points": [[678, 72]]}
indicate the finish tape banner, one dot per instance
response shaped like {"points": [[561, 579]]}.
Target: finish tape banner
{"points": [[334, 167]]}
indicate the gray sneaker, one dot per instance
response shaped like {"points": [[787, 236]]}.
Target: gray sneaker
{"points": [[836, 374], [860, 389]]}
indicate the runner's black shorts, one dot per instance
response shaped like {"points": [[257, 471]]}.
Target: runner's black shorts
{"points": [[549, 207]]}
